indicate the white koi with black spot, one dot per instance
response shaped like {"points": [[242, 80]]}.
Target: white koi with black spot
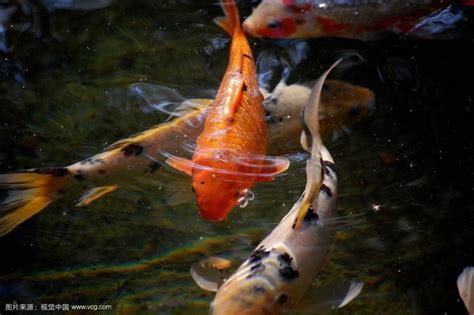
{"points": [[280, 270]]}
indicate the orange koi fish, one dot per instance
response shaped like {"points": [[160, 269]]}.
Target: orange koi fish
{"points": [[229, 157], [341, 18]]}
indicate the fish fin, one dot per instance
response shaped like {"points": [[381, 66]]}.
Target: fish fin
{"points": [[223, 23], [304, 141], [209, 273], [235, 99], [325, 299], [231, 22], [466, 288], [178, 194], [196, 103], [271, 167], [93, 194], [188, 106], [24, 194], [181, 164], [314, 180]]}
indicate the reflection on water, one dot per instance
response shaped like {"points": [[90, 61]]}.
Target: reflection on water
{"points": [[405, 174]]}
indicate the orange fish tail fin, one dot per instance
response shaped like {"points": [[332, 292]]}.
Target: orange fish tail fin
{"points": [[231, 22], [24, 194]]}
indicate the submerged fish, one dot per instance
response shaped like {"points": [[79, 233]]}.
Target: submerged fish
{"points": [[280, 270], [229, 157], [28, 192], [342, 105], [342, 18]]}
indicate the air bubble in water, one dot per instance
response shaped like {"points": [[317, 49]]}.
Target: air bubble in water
{"points": [[245, 197]]}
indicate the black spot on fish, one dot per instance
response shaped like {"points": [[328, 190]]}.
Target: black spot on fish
{"points": [[311, 215], [288, 273], [258, 255], [244, 87], [132, 149], [280, 119], [258, 267], [326, 190], [192, 189], [282, 298], [229, 120], [101, 171], [329, 166], [258, 289], [79, 176], [54, 171], [202, 182], [153, 167], [255, 270], [248, 56], [86, 161], [285, 259]]}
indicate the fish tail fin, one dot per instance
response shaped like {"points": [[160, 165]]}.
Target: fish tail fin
{"points": [[24, 194], [311, 131], [231, 22]]}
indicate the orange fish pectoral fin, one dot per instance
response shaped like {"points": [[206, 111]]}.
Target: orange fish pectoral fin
{"points": [[181, 164], [271, 167]]}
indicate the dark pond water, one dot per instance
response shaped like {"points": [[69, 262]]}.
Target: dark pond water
{"points": [[406, 173]]}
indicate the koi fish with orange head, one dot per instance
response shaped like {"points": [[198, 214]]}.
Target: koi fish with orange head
{"points": [[229, 157]]}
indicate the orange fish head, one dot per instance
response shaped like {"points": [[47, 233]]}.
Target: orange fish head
{"points": [[281, 19], [216, 193]]}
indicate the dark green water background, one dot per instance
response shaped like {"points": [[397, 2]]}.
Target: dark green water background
{"points": [[132, 251]]}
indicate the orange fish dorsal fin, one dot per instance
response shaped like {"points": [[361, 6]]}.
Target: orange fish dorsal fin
{"points": [[181, 164], [231, 21], [271, 167], [234, 96]]}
